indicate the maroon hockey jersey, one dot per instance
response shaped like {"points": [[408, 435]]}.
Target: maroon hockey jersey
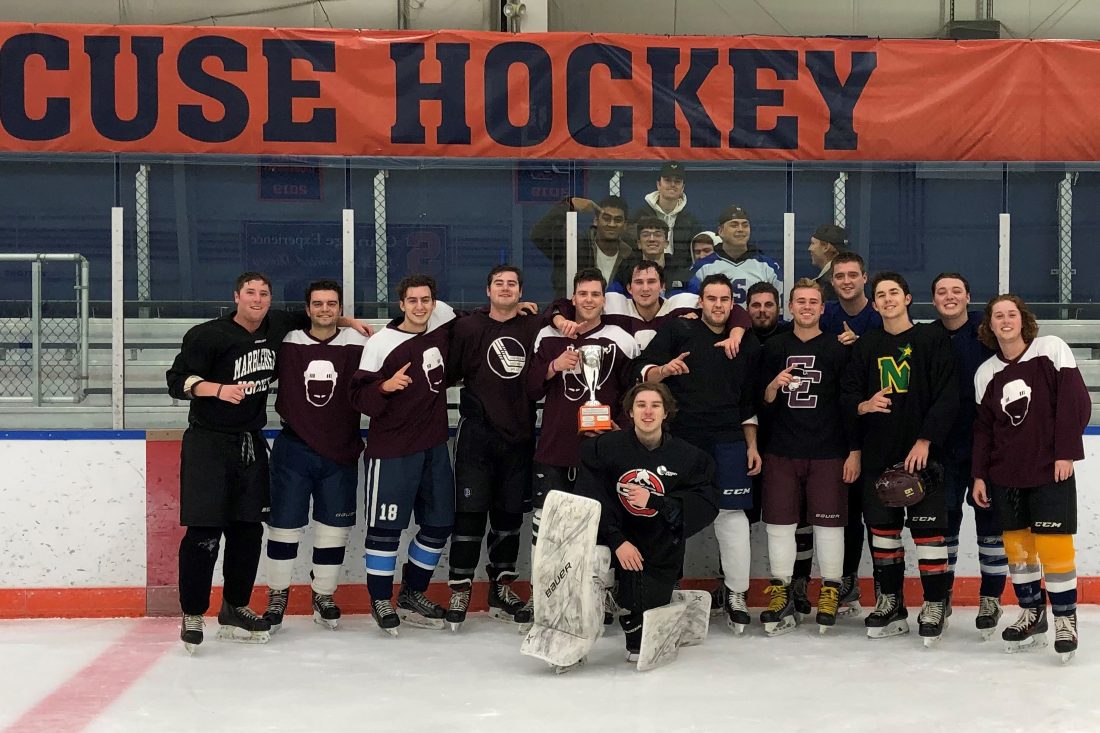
{"points": [[1031, 412], [314, 379], [415, 418], [559, 443]]}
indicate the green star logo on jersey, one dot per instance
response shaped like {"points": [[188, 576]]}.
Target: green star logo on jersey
{"points": [[893, 374]]}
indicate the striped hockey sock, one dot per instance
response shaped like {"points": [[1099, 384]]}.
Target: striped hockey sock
{"points": [[1023, 564], [381, 561], [282, 549], [1059, 571], [424, 553]]}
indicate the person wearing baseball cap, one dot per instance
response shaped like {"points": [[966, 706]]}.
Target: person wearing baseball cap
{"points": [[827, 242], [742, 263], [669, 204]]}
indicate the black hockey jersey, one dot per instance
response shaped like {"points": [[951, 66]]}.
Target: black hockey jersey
{"points": [[683, 499], [806, 420], [918, 366], [225, 352]]}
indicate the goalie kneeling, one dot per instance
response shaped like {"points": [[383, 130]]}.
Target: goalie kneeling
{"points": [[655, 491]]}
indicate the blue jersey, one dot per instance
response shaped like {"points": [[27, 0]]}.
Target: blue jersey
{"points": [[835, 317]]}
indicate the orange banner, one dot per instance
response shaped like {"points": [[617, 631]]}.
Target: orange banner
{"points": [[74, 88]]}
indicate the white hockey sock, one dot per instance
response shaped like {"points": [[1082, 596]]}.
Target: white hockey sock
{"points": [[732, 530], [781, 550], [829, 542], [328, 556], [282, 549]]}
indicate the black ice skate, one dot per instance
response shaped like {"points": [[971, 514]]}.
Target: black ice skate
{"points": [[416, 609], [276, 607], [827, 603], [780, 617], [848, 603], [1065, 636], [989, 613], [799, 591], [1028, 632], [459, 605], [890, 617], [242, 625], [191, 632], [718, 600], [932, 621], [383, 614], [325, 610], [505, 605], [737, 611]]}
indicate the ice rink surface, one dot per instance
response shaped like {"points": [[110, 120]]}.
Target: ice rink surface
{"points": [[133, 675]]}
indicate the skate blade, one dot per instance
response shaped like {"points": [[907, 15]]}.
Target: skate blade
{"points": [[738, 629], [190, 649], [1066, 656], [849, 609], [524, 628], [569, 667], [416, 620], [499, 614], [454, 626], [632, 657], [897, 628], [330, 623], [930, 641], [1035, 642], [987, 634], [779, 628], [823, 629], [243, 636], [275, 627]]}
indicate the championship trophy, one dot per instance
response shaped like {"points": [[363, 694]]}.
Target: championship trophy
{"points": [[592, 416]]}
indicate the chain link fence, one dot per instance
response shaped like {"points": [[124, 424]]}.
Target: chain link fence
{"points": [[840, 199], [44, 355], [141, 226], [381, 253]]}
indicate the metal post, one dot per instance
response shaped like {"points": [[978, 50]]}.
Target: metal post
{"points": [[570, 249], [118, 324], [840, 199], [349, 263], [1065, 269], [1004, 252], [788, 256], [85, 316], [141, 210], [36, 332], [381, 253]]}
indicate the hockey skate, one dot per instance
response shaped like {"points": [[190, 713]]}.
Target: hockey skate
{"points": [[890, 617], [799, 591], [242, 625], [416, 609], [632, 657], [989, 613], [737, 611], [505, 605], [848, 602], [780, 617], [383, 614], [191, 632], [526, 617], [1065, 636], [827, 603], [932, 621], [325, 610], [276, 607], [1028, 632], [718, 599], [459, 605], [562, 669]]}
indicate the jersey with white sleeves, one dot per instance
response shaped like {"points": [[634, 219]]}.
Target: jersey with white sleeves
{"points": [[314, 377], [413, 419], [1031, 412]]}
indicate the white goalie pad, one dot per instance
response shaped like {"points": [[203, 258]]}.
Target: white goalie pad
{"points": [[568, 577], [683, 622]]}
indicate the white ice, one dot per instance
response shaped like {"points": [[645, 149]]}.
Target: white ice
{"points": [[356, 679]]}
